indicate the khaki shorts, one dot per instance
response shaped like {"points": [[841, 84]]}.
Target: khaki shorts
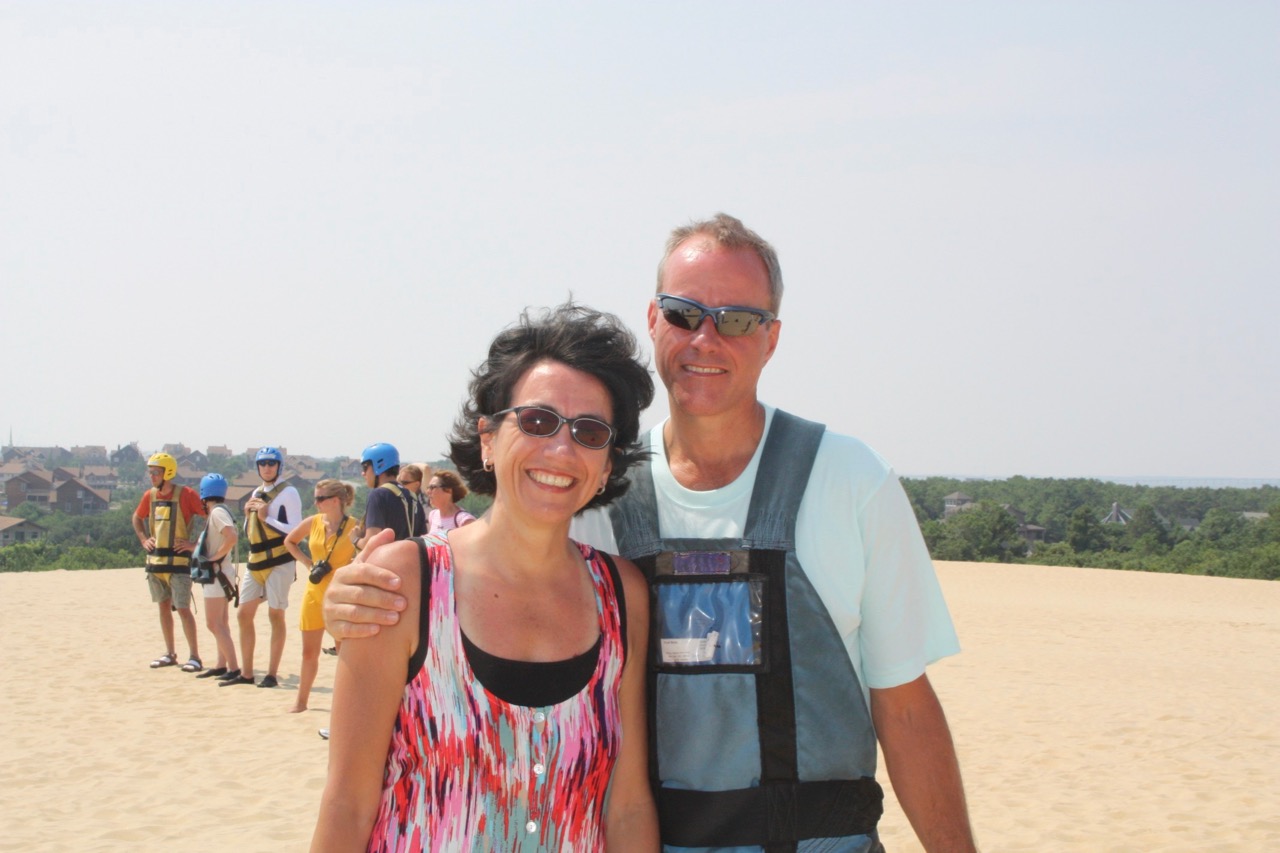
{"points": [[276, 590], [175, 586]]}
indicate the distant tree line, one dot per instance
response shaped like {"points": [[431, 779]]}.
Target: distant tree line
{"points": [[1190, 531]]}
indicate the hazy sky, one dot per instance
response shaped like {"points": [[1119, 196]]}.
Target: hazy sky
{"points": [[1017, 238]]}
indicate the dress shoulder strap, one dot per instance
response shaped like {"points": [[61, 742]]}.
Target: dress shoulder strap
{"points": [[426, 572]]}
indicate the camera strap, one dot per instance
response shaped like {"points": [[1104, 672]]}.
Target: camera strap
{"points": [[342, 525]]}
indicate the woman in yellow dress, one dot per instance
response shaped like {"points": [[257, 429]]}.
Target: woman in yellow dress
{"points": [[328, 535]]}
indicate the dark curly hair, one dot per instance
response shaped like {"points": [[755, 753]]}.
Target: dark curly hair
{"points": [[591, 341]]}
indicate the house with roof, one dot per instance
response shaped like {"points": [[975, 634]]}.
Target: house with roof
{"points": [[219, 451], [189, 476], [954, 502], [310, 476], [126, 453], [177, 451], [100, 477], [44, 456], [91, 454], [1117, 515], [14, 531], [34, 486], [195, 459], [76, 497], [12, 469]]}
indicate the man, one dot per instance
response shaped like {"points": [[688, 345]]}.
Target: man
{"points": [[162, 523], [271, 514], [215, 571], [793, 622], [390, 505]]}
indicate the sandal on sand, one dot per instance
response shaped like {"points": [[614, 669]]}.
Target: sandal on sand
{"points": [[268, 681], [168, 660], [213, 673], [193, 665]]}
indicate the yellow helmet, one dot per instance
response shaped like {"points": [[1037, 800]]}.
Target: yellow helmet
{"points": [[165, 461]]}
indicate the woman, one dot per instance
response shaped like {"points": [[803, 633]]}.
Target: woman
{"points": [[524, 651], [410, 479], [444, 491], [328, 538]]}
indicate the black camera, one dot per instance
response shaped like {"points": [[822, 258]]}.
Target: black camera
{"points": [[319, 569]]}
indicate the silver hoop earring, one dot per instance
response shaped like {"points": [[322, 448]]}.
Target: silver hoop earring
{"points": [[600, 491], [488, 464]]}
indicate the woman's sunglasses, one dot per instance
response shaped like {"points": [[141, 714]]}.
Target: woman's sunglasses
{"points": [[731, 320], [540, 422]]}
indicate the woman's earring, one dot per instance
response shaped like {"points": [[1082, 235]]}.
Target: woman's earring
{"points": [[488, 464], [600, 491]]}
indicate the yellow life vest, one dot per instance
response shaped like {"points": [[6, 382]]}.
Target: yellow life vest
{"points": [[266, 544], [168, 525]]}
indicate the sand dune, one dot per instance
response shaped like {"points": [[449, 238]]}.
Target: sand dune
{"points": [[1093, 710]]}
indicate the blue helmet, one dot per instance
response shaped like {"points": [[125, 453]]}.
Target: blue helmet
{"points": [[270, 454], [213, 486], [382, 456]]}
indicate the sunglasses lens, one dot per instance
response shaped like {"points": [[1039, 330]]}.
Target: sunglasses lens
{"points": [[682, 317], [592, 433], [539, 422], [735, 323]]}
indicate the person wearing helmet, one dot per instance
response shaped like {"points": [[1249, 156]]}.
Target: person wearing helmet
{"points": [[270, 515], [162, 523], [389, 504], [216, 574]]}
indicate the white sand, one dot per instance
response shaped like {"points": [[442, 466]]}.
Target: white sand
{"points": [[1093, 710]]}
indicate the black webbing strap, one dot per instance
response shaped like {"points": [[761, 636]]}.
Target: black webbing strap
{"points": [[426, 574], [771, 815], [775, 699]]}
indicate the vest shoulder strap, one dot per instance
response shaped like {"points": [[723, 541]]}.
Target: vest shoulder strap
{"points": [[785, 464]]}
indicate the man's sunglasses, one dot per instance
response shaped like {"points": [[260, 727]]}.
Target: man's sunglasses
{"points": [[731, 320], [540, 422]]}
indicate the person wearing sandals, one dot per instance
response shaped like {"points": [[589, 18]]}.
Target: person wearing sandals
{"points": [[510, 697], [329, 541], [162, 523], [215, 572], [444, 491], [272, 513]]}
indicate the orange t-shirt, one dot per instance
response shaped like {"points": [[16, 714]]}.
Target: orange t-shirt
{"points": [[188, 500]]}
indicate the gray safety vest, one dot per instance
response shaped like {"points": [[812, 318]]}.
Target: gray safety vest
{"points": [[759, 733]]}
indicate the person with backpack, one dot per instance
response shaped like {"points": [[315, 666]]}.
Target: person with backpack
{"points": [[389, 504], [214, 570], [163, 524]]}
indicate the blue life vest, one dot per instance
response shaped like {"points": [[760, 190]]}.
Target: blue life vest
{"points": [[760, 737]]}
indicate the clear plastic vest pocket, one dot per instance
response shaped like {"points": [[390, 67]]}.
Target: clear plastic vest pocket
{"points": [[708, 613]]}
